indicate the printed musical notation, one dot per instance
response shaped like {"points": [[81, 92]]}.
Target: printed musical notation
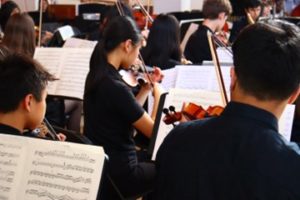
{"points": [[62, 154], [63, 166], [3, 197], [51, 196], [58, 186], [40, 169], [62, 176]]}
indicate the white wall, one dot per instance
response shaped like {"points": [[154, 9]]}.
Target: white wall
{"points": [[27, 5], [165, 6]]}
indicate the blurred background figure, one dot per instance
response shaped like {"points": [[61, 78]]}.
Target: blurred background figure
{"points": [[8, 8], [163, 44]]}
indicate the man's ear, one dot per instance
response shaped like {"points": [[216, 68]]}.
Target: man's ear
{"points": [[294, 96], [27, 102], [221, 15]]}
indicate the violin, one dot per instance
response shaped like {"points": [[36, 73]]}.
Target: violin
{"points": [[190, 112], [132, 77]]}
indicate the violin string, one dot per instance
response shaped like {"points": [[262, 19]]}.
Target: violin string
{"points": [[144, 69], [222, 44]]}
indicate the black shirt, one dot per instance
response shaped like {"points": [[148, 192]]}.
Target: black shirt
{"points": [[109, 112], [237, 27], [5, 129], [197, 48], [239, 155]]}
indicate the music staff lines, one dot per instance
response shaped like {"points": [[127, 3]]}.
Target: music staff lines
{"points": [[8, 154], [59, 187], [61, 154], [8, 163], [5, 189], [10, 146], [50, 195], [7, 172], [3, 197], [62, 176], [64, 166]]}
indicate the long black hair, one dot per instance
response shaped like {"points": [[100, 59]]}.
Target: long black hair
{"points": [[163, 42], [118, 30]]}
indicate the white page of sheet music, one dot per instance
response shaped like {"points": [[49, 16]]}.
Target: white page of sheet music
{"points": [[51, 59], [193, 77], [66, 32], [224, 56], [79, 43], [41, 169], [285, 123], [70, 65], [201, 77], [177, 97]]}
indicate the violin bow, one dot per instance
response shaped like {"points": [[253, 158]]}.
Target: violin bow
{"points": [[40, 23], [147, 18], [143, 66], [215, 59], [144, 11]]}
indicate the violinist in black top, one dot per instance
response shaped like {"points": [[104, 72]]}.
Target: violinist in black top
{"points": [[112, 111], [252, 12], [215, 14], [241, 154]]}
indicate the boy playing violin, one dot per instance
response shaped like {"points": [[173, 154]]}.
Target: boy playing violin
{"points": [[23, 93], [240, 154]]}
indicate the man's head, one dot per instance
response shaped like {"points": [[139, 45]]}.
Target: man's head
{"points": [[23, 88], [253, 8], [217, 10], [267, 60]]}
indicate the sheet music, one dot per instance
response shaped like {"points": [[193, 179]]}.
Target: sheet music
{"points": [[224, 56], [177, 97], [285, 123], [66, 32], [169, 79], [201, 77], [193, 77], [79, 43], [41, 169], [70, 65]]}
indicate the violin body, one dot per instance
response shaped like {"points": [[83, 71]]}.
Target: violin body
{"points": [[190, 112], [141, 19]]}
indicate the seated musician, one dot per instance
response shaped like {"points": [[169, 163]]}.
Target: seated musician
{"points": [[8, 8], [240, 154], [252, 9], [163, 43], [23, 93], [215, 13], [111, 111]]}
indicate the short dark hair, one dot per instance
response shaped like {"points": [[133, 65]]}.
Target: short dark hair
{"points": [[20, 75], [252, 3], [212, 8], [267, 59]]}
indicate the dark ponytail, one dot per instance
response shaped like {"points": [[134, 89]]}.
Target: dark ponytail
{"points": [[118, 30]]}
